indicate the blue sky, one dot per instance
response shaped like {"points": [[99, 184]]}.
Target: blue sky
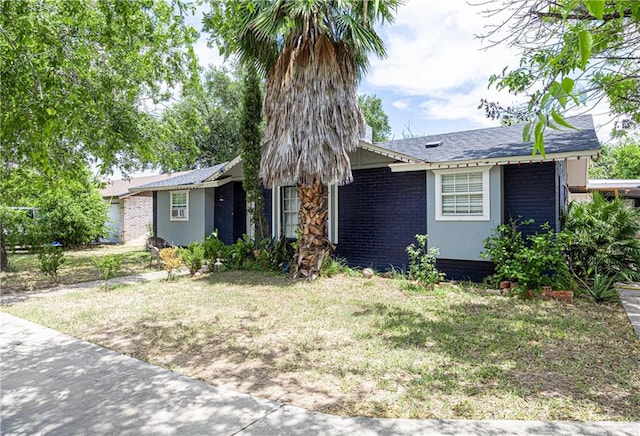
{"points": [[436, 71]]}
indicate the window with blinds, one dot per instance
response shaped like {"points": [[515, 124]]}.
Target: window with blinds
{"points": [[290, 211], [462, 195]]}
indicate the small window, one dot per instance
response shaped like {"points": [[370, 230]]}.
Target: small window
{"points": [[179, 205], [462, 195], [290, 211]]}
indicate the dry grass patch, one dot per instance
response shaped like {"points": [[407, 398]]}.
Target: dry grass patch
{"points": [[351, 346], [24, 273]]}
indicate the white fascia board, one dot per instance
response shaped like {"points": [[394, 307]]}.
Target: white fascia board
{"points": [[217, 183], [232, 163], [387, 153], [551, 157]]}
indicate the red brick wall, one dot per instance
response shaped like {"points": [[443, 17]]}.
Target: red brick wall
{"points": [[138, 216]]}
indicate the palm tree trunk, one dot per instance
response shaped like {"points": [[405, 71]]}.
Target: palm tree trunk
{"points": [[313, 244]]}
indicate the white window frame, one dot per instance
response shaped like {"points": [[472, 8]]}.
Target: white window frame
{"points": [[185, 216], [484, 216], [286, 192], [277, 219]]}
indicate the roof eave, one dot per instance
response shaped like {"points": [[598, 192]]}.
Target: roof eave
{"points": [[388, 153], [549, 157]]}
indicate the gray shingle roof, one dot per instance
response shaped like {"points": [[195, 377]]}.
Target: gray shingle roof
{"points": [[190, 178], [496, 142]]}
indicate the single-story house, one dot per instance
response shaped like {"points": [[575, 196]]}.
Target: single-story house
{"points": [[457, 187], [130, 214]]}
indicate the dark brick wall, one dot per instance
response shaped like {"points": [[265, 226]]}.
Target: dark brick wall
{"points": [[239, 211], [530, 191], [474, 270], [379, 214], [223, 213], [268, 205]]}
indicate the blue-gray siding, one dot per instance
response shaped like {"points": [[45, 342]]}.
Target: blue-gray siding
{"points": [[464, 240], [182, 232], [379, 215]]}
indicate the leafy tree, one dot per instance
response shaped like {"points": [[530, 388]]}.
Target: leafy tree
{"points": [[374, 115], [79, 77], [71, 211], [621, 161], [251, 149], [204, 127], [313, 52], [574, 52]]}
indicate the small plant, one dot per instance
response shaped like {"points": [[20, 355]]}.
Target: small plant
{"points": [[601, 287], [336, 265], [171, 261], [422, 263], [278, 253], [51, 259], [242, 252], [193, 256], [109, 265], [214, 248]]}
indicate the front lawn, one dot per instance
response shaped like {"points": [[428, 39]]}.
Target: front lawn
{"points": [[24, 269], [357, 347]]}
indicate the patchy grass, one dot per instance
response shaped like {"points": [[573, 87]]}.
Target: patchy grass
{"points": [[24, 273], [358, 347]]}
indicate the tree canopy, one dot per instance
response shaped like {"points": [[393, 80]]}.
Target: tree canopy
{"points": [[79, 79], [204, 127], [618, 161], [313, 53], [574, 53], [375, 116]]}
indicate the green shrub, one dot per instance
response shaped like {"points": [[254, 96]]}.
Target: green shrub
{"points": [[109, 265], [193, 256], [502, 247], [422, 263], [214, 248], [241, 252], [51, 259], [72, 213], [603, 236], [534, 261], [277, 254]]}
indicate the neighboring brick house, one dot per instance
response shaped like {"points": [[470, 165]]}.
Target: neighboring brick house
{"points": [[130, 214], [456, 187]]}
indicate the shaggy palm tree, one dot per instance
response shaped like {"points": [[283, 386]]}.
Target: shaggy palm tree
{"points": [[313, 52]]}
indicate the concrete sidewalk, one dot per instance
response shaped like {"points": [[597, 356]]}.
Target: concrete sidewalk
{"points": [[54, 384], [630, 299]]}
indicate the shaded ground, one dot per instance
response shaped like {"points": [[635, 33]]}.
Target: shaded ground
{"points": [[350, 346], [24, 274]]}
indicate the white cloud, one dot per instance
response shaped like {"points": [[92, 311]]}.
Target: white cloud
{"points": [[434, 55], [401, 105]]}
